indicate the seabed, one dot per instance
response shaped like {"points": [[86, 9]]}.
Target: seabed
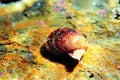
{"points": [[25, 26]]}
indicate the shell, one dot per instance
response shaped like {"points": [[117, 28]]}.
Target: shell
{"points": [[65, 41]]}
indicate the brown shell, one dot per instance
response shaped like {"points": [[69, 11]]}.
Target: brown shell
{"points": [[65, 40]]}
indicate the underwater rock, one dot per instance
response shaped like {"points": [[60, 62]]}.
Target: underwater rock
{"points": [[8, 1], [36, 9]]}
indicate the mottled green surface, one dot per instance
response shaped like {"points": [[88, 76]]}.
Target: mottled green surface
{"points": [[21, 39]]}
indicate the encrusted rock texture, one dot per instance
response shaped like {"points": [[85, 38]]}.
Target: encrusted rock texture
{"points": [[23, 33]]}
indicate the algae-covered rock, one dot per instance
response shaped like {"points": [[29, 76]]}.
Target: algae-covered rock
{"points": [[23, 33]]}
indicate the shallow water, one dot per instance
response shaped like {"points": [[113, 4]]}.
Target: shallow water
{"points": [[23, 33]]}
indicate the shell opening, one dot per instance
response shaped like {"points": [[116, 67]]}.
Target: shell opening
{"points": [[77, 54]]}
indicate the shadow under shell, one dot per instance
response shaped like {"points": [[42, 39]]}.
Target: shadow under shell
{"points": [[64, 59]]}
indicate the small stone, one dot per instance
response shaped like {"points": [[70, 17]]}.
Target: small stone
{"points": [[91, 75]]}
